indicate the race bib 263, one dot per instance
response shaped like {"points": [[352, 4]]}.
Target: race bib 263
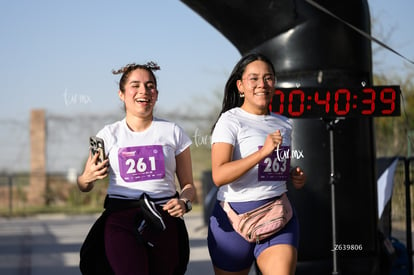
{"points": [[276, 166]]}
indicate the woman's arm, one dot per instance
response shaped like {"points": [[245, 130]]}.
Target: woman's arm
{"points": [[184, 171], [226, 170], [185, 175]]}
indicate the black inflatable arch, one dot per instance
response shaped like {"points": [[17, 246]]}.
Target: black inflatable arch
{"points": [[311, 48]]}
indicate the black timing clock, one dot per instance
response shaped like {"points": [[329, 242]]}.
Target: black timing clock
{"points": [[323, 102]]}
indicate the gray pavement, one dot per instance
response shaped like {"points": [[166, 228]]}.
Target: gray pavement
{"points": [[49, 244]]}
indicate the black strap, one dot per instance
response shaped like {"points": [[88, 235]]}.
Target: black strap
{"points": [[115, 204]]}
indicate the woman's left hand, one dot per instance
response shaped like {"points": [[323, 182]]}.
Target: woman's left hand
{"points": [[298, 177]]}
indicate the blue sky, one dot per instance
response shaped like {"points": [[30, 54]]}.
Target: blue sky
{"points": [[58, 55]]}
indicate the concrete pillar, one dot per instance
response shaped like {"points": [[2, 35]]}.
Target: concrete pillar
{"points": [[36, 193]]}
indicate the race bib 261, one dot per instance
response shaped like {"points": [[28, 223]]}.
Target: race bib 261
{"points": [[140, 163]]}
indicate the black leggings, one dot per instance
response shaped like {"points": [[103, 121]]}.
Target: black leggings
{"points": [[151, 252]]}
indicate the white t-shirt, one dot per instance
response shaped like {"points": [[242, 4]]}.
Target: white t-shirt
{"points": [[143, 161], [247, 132]]}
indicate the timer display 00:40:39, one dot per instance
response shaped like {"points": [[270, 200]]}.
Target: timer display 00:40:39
{"points": [[337, 102]]}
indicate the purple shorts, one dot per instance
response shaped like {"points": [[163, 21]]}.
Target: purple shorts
{"points": [[231, 252]]}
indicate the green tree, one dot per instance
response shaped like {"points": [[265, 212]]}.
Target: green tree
{"points": [[393, 135]]}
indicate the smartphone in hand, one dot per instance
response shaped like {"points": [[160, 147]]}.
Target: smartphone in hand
{"points": [[96, 145]]}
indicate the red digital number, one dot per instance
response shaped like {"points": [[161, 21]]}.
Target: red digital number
{"points": [[323, 101], [369, 101], [347, 94], [281, 100], [387, 100], [292, 103]]}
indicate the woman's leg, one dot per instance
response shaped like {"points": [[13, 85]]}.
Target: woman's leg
{"points": [[278, 259], [124, 253], [229, 252], [278, 254], [152, 253], [164, 256]]}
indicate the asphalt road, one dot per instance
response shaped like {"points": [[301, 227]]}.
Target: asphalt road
{"points": [[49, 244]]}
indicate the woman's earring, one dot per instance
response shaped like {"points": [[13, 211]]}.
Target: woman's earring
{"points": [[241, 95]]}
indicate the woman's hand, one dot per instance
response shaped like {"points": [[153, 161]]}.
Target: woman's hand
{"points": [[175, 207], [93, 171], [298, 177], [273, 141]]}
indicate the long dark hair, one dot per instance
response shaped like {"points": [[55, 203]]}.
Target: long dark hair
{"points": [[231, 97]]}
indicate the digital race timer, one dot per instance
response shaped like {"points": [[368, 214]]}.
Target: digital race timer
{"points": [[325, 102]]}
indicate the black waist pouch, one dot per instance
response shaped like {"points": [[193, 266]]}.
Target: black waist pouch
{"points": [[150, 213]]}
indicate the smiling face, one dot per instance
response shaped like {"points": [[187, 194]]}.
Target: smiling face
{"points": [[257, 85], [139, 94]]}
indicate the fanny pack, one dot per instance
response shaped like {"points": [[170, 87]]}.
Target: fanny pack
{"points": [[262, 222], [151, 214]]}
